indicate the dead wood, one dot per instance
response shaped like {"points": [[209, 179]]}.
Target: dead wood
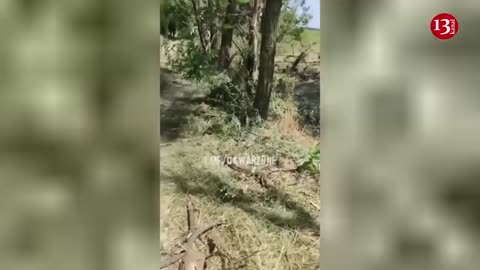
{"points": [[191, 259], [199, 231], [297, 61], [262, 170], [172, 260], [190, 216]]}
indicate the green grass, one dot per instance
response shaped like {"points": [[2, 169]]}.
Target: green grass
{"points": [[311, 35]]}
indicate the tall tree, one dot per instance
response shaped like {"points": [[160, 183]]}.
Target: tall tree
{"points": [[198, 20], [269, 27], [227, 35], [256, 6], [213, 27]]}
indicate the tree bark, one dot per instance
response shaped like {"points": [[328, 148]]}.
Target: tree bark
{"points": [[252, 62], [227, 35], [213, 28], [201, 32], [269, 27]]}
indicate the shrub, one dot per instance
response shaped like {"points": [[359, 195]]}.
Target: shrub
{"points": [[312, 163]]}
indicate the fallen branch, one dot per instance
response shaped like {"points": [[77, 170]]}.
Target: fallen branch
{"points": [[191, 259], [181, 141], [199, 231], [172, 260], [195, 260], [262, 170], [190, 216]]}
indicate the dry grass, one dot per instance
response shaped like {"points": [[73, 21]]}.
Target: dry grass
{"points": [[273, 227], [266, 228], [287, 120]]}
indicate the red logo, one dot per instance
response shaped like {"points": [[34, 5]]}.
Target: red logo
{"points": [[444, 26]]}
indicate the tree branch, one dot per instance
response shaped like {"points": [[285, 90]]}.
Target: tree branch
{"points": [[199, 26]]}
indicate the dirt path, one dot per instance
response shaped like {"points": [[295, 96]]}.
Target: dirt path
{"points": [[176, 96]]}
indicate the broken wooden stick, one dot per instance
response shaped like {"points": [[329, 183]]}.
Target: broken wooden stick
{"points": [[195, 260], [172, 260], [191, 259], [199, 231]]}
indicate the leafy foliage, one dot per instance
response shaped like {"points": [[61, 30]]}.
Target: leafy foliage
{"points": [[234, 100], [312, 164], [311, 116], [190, 60], [293, 19], [178, 12], [230, 89]]}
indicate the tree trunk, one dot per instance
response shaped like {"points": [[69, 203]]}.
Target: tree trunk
{"points": [[163, 20], [201, 32], [213, 29], [227, 35], [251, 64], [297, 61], [269, 26]]}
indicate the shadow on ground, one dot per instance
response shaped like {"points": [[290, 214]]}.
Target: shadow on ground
{"points": [[307, 96], [217, 189], [177, 97]]}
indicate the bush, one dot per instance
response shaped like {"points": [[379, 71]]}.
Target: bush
{"points": [[312, 163], [190, 60], [233, 99], [311, 117]]}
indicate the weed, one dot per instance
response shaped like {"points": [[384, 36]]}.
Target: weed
{"points": [[312, 163]]}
